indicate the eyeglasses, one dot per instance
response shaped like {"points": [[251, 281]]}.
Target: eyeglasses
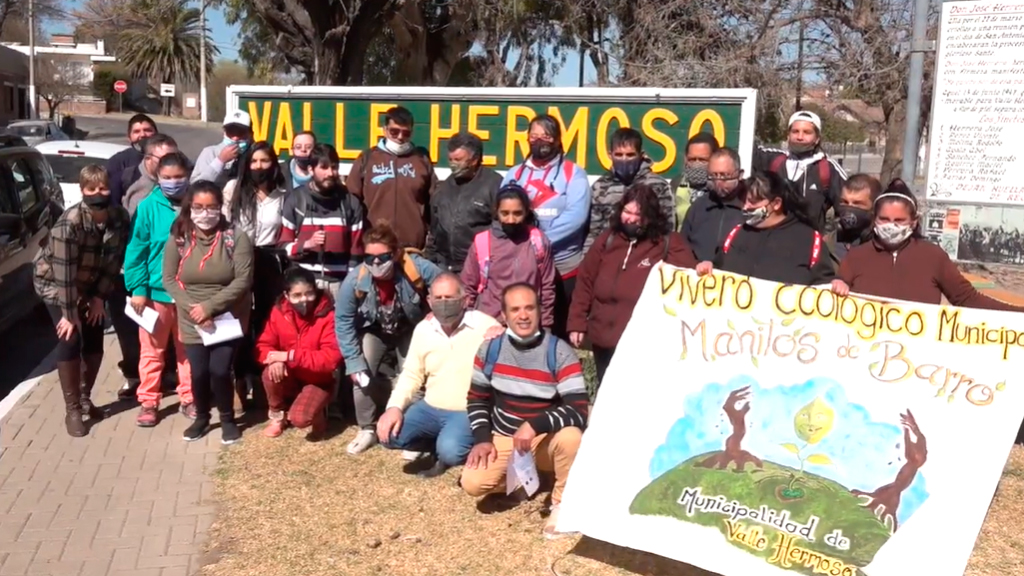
{"points": [[200, 208], [377, 258], [723, 177], [400, 132]]}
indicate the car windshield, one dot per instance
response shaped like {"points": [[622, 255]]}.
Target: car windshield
{"points": [[66, 168], [29, 130]]}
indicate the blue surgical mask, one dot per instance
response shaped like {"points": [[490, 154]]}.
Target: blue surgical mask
{"points": [[242, 144], [173, 188], [300, 179]]}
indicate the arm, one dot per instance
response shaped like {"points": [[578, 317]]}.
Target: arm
{"points": [[598, 223], [471, 274], [583, 295], [427, 269], [172, 260], [114, 170], [357, 223], [546, 275], [354, 180], [136, 256], [679, 252], [325, 358], [229, 195], [345, 325], [480, 399], [414, 373], [573, 391], [64, 263], [835, 184], [959, 291], [288, 239], [269, 341], [208, 165], [577, 208], [240, 283]]}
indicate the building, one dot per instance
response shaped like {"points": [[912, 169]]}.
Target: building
{"points": [[72, 63], [13, 86]]}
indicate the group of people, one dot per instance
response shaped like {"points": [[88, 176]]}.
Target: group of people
{"points": [[446, 313]]}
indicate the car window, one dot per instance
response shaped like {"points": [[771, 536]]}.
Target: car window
{"points": [[27, 130], [6, 199], [41, 171], [67, 168], [23, 187]]}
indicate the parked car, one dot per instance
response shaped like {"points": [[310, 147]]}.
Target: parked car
{"points": [[67, 157], [30, 202], [36, 132]]}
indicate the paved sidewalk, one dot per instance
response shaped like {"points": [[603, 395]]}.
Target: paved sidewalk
{"points": [[123, 500]]}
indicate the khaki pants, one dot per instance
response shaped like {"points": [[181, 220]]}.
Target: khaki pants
{"points": [[553, 453]]}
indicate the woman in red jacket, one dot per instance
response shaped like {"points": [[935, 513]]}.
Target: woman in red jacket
{"points": [[899, 264], [300, 353], [615, 270]]}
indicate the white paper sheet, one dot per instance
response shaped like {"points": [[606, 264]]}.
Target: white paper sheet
{"points": [[522, 471], [225, 328], [147, 320]]}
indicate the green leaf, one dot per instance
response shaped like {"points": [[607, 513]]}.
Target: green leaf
{"points": [[753, 360], [875, 346], [791, 447], [819, 459], [668, 310], [797, 332], [1001, 386], [788, 321], [950, 399], [731, 326], [758, 322], [682, 355]]}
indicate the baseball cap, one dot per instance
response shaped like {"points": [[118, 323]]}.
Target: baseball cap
{"points": [[802, 116], [238, 117]]}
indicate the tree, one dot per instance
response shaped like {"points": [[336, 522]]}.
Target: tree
{"points": [[103, 78], [166, 48], [226, 73], [14, 18], [106, 20], [834, 129], [58, 81]]}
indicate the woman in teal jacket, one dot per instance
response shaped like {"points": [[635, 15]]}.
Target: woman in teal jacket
{"points": [[379, 304], [143, 277]]}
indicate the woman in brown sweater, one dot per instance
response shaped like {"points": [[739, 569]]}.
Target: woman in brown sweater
{"points": [[899, 264], [208, 271]]}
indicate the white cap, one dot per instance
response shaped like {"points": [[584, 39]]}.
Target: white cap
{"points": [[805, 116], [238, 117]]}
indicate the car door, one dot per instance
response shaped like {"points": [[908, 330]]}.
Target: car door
{"points": [[32, 203], [19, 242]]}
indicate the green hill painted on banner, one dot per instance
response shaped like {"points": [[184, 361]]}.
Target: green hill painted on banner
{"points": [[831, 502]]}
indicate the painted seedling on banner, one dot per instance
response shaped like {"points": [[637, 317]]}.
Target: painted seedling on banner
{"points": [[749, 427]]}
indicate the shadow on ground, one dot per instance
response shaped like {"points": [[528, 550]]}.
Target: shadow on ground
{"points": [[25, 350]]}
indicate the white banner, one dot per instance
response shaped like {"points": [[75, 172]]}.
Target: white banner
{"points": [[748, 427]]}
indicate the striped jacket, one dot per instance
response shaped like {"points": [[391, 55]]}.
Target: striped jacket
{"points": [[340, 217], [81, 260], [523, 389]]}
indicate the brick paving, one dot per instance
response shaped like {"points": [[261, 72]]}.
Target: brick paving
{"points": [[123, 500]]}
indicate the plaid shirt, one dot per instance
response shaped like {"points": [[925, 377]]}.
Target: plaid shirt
{"points": [[81, 259]]}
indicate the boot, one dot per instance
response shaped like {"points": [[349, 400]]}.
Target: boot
{"points": [[90, 371], [70, 375]]}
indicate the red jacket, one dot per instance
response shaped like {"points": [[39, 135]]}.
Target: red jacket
{"points": [[611, 279], [315, 347]]}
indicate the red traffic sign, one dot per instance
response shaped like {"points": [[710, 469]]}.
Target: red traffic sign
{"points": [[120, 86]]}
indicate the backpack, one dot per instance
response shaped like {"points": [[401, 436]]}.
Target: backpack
{"points": [[815, 250], [482, 243], [664, 253], [494, 350], [778, 166], [229, 244], [408, 268]]}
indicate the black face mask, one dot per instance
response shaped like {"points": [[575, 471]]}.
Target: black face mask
{"points": [[514, 231], [303, 162], [260, 175], [97, 201], [542, 151], [625, 170], [631, 230], [853, 219]]}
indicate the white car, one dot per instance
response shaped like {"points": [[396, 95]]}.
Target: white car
{"points": [[68, 157], [36, 132]]}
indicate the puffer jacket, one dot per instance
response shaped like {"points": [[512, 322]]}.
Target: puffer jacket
{"points": [[457, 213], [310, 342], [608, 190]]}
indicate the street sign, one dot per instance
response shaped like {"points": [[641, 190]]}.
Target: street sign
{"points": [[120, 86], [167, 90]]}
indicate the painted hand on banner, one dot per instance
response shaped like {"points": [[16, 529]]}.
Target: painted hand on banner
{"points": [[736, 406]]}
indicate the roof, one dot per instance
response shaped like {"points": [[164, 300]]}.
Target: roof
{"points": [[862, 111], [13, 62], [93, 149]]}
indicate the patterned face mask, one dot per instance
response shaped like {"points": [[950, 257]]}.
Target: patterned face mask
{"points": [[892, 233]]}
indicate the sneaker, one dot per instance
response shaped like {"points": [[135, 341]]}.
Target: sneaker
{"points": [[363, 441], [197, 430], [438, 469], [275, 428], [412, 455], [148, 416], [229, 433], [334, 412], [127, 390], [188, 410]]}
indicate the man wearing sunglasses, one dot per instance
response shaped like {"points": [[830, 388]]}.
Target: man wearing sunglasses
{"points": [[396, 180]]}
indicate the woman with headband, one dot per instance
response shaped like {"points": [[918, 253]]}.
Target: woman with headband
{"points": [[899, 264]]}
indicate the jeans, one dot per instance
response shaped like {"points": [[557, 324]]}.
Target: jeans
{"points": [[86, 340], [370, 400], [429, 429], [211, 378]]}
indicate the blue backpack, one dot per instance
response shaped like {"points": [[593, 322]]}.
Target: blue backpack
{"points": [[494, 350]]}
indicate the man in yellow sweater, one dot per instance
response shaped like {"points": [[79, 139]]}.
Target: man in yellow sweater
{"points": [[440, 360]]}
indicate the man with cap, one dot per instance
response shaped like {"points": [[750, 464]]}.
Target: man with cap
{"points": [[818, 178], [216, 163]]}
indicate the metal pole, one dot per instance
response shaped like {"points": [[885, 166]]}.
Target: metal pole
{"points": [[33, 98], [918, 46], [800, 67], [202, 61]]}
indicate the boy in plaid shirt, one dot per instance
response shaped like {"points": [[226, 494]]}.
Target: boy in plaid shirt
{"points": [[74, 274]]}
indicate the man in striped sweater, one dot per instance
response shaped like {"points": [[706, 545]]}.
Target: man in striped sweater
{"points": [[527, 394]]}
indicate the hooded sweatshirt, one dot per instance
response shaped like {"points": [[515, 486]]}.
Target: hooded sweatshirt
{"points": [[560, 194], [511, 261], [396, 189], [144, 259], [782, 253], [608, 190], [312, 347], [805, 172]]}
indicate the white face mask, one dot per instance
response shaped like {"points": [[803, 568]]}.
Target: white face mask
{"points": [[893, 234], [396, 148], [206, 219], [521, 340], [756, 216], [382, 270]]}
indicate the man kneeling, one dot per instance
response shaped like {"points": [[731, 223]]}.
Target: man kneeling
{"points": [[300, 353], [441, 360], [528, 395]]}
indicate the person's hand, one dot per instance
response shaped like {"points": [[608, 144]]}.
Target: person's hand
{"points": [[228, 153], [355, 378], [139, 304], [522, 440], [704, 268], [197, 314], [96, 312], [277, 372], [65, 329], [840, 287], [576, 338], [277, 356], [207, 326], [318, 239], [481, 455], [494, 332], [389, 425]]}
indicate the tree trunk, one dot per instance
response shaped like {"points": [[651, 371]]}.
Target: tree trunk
{"points": [[895, 125]]}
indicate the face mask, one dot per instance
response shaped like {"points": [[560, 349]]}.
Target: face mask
{"points": [[300, 307], [396, 148], [755, 216], [726, 190], [260, 175], [173, 188], [520, 340], [892, 234], [800, 148], [696, 175], [97, 201], [137, 145], [542, 150], [447, 312], [631, 230], [625, 170], [242, 144], [303, 162], [852, 218], [206, 219], [382, 270], [515, 230], [461, 171]]}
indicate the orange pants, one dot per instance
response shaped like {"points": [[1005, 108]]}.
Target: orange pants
{"points": [[151, 356], [552, 453]]}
